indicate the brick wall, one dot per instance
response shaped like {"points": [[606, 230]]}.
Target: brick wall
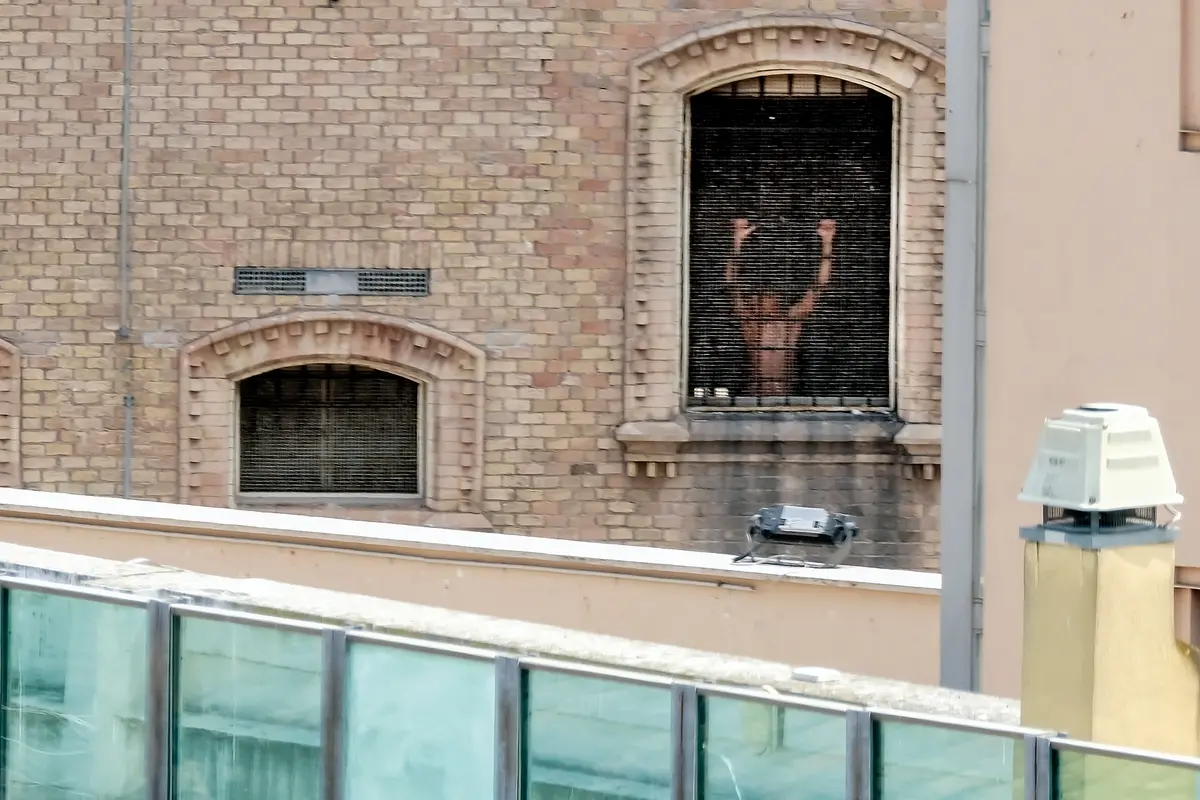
{"points": [[485, 140]]}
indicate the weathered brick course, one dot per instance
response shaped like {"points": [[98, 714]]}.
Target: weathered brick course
{"points": [[484, 140]]}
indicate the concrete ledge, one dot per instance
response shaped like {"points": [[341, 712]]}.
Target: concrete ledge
{"points": [[743, 426], [786, 427], [475, 547], [672, 432]]}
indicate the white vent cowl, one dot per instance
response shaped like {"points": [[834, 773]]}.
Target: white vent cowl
{"points": [[1101, 457]]}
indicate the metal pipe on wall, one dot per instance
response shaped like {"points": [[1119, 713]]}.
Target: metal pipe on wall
{"points": [[124, 279], [963, 345]]}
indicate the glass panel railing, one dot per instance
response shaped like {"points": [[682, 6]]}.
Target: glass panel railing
{"points": [[596, 739], [418, 725], [247, 712], [924, 762], [1091, 776], [76, 689], [751, 749]]}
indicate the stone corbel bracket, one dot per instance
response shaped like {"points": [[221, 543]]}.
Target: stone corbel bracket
{"points": [[653, 448], [922, 445]]}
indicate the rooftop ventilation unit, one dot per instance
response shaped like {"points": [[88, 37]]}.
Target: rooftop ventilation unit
{"points": [[1101, 470]]}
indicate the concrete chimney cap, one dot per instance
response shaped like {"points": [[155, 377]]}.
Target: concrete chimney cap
{"points": [[1101, 457]]}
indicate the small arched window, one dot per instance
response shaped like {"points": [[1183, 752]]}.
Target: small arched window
{"points": [[329, 429]]}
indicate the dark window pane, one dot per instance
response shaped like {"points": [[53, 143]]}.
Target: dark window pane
{"points": [[329, 428], [773, 330]]}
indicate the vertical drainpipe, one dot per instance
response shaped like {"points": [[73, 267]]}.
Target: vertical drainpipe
{"points": [[963, 344], [124, 332]]}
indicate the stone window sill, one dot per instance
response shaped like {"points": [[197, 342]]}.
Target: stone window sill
{"points": [[791, 427], [302, 500], [661, 442]]}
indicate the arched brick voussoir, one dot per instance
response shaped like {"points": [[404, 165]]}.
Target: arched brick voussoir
{"points": [[257, 345], [10, 414], [703, 58]]}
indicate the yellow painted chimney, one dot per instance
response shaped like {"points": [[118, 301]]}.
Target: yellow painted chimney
{"points": [[1101, 661]]}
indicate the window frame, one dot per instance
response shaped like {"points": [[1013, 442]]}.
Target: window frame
{"points": [[898, 142], [333, 498]]}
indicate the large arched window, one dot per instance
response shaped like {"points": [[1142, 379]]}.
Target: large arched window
{"points": [[790, 245], [329, 429]]}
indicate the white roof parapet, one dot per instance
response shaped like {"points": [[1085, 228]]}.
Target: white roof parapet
{"points": [[436, 542]]}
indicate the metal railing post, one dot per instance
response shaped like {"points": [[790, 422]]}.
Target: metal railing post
{"points": [[685, 740], [509, 701], [860, 755], [1046, 771], [333, 705], [158, 699]]}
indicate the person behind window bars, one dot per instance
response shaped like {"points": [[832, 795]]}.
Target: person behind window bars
{"points": [[771, 316]]}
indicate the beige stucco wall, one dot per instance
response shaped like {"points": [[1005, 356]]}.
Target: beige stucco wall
{"points": [[1091, 271], [871, 622]]}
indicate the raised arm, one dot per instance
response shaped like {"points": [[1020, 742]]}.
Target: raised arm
{"points": [[742, 228], [826, 229]]}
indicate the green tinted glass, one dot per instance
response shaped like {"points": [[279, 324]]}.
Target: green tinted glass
{"points": [[76, 711], [755, 750], [247, 713], [594, 739]]}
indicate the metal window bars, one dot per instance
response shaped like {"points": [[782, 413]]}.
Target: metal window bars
{"points": [[329, 429], [780, 169], [1040, 749]]}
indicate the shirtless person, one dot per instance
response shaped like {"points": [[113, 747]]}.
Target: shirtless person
{"points": [[771, 329]]}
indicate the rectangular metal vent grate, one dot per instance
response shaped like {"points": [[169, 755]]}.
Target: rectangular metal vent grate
{"points": [[269, 280], [410, 282]]}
